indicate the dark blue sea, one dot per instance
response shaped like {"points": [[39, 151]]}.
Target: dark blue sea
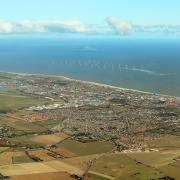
{"points": [[139, 63]]}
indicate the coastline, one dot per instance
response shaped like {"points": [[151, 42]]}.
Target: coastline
{"points": [[91, 83], [125, 89]]}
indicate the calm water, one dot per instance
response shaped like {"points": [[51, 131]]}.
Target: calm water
{"points": [[144, 64]]}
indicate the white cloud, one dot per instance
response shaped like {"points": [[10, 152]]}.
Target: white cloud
{"points": [[42, 26], [157, 29], [115, 26], [121, 27], [6, 27], [67, 26], [124, 28]]}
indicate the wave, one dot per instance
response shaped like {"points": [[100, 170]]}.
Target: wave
{"points": [[147, 71]]}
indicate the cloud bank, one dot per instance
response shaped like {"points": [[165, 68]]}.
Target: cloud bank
{"points": [[159, 28], [42, 26], [124, 28], [112, 26]]}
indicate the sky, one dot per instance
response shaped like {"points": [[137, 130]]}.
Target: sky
{"points": [[91, 17]]}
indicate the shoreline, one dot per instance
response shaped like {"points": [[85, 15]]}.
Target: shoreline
{"points": [[125, 89], [91, 83]]}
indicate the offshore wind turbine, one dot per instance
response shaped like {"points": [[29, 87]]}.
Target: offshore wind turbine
{"points": [[119, 67], [112, 67], [104, 66], [126, 67]]}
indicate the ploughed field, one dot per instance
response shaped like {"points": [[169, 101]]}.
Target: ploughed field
{"points": [[57, 128]]}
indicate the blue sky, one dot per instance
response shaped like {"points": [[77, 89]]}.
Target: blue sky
{"points": [[118, 17]]}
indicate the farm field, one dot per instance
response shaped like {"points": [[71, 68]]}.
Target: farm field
{"points": [[24, 140], [44, 176], [41, 154], [165, 142], [49, 139], [12, 101], [19, 125], [21, 159], [82, 162], [155, 159], [44, 167], [6, 158], [120, 166], [3, 149], [64, 152], [171, 170], [80, 148]]}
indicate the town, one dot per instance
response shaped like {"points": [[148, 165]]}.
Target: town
{"points": [[54, 120]]}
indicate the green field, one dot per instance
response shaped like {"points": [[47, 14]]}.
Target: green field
{"points": [[80, 148], [122, 167], [25, 141], [165, 142], [48, 123], [155, 159], [172, 170], [12, 101], [21, 159], [2, 149]]}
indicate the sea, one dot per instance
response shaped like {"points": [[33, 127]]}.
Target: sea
{"points": [[146, 64]]}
